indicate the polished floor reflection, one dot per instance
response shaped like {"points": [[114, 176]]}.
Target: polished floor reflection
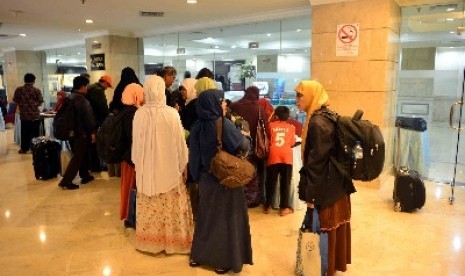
{"points": [[47, 231]]}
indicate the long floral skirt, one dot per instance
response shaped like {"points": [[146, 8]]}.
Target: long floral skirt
{"points": [[164, 222]]}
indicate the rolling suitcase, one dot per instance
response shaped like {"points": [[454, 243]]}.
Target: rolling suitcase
{"points": [[409, 190], [45, 158]]}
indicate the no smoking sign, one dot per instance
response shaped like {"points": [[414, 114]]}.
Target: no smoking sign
{"points": [[347, 39]]}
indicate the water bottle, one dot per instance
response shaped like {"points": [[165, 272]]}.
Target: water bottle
{"points": [[357, 151]]}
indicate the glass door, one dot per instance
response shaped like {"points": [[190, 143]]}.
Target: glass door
{"points": [[431, 81]]}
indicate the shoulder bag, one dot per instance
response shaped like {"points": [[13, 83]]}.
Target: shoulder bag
{"points": [[262, 145], [232, 171]]}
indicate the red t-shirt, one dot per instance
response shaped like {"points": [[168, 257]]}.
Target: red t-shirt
{"points": [[282, 138]]}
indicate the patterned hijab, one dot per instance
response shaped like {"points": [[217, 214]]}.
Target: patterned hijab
{"points": [[314, 96]]}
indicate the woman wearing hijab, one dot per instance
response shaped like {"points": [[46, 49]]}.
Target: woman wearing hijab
{"points": [[222, 232], [61, 95], [159, 152], [328, 192], [128, 76], [248, 108], [132, 99], [189, 84], [189, 113]]}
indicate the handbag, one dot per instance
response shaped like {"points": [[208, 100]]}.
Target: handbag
{"points": [[262, 145], [308, 261], [232, 171], [131, 221]]}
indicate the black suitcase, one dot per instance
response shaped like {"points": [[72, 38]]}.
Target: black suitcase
{"points": [[409, 191], [45, 158]]}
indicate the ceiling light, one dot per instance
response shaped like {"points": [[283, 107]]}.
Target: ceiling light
{"points": [[89, 21], [298, 30], [452, 32], [233, 47], [450, 9], [191, 1], [95, 41], [22, 35], [216, 47], [449, 19], [268, 34]]}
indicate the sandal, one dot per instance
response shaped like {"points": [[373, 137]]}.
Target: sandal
{"points": [[193, 264], [285, 211], [221, 270]]}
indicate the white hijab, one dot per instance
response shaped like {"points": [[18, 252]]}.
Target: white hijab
{"points": [[189, 85], [159, 149]]}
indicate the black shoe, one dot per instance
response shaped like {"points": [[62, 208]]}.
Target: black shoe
{"points": [[68, 186], [22, 151], [221, 270], [88, 179], [193, 264]]}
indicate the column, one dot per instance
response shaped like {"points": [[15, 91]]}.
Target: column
{"points": [[118, 52], [17, 64], [366, 80]]}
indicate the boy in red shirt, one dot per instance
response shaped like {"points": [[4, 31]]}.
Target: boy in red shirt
{"points": [[282, 139]]}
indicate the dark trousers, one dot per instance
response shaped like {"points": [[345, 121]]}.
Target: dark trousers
{"points": [[78, 162], [284, 171], [29, 130]]}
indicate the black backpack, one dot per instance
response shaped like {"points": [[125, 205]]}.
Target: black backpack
{"points": [[64, 122], [348, 131], [109, 139]]}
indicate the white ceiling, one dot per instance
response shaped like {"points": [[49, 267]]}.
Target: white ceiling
{"points": [[59, 26]]}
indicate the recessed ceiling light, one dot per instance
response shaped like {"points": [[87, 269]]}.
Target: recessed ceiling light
{"points": [[450, 19], [450, 9], [234, 46], [95, 41], [452, 32], [298, 30], [268, 34], [89, 21], [191, 1], [216, 47], [22, 35]]}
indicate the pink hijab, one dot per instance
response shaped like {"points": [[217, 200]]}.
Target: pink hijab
{"points": [[133, 94]]}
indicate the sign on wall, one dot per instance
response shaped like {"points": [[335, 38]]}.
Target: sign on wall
{"points": [[97, 62], [347, 40]]}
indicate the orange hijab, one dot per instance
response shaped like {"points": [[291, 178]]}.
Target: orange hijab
{"points": [[314, 96]]}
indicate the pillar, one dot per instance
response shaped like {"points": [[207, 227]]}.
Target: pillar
{"points": [[368, 79], [17, 64], [119, 52]]}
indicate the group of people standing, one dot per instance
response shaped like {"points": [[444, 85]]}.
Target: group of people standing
{"points": [[170, 139]]}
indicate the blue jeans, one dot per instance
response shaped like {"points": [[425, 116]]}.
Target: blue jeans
{"points": [[311, 217]]}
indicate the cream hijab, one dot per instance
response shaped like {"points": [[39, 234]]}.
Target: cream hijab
{"points": [[314, 96], [204, 84], [159, 150], [189, 85]]}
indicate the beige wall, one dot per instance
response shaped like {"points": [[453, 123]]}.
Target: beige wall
{"points": [[366, 81], [17, 64]]}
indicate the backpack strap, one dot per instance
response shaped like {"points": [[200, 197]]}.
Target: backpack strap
{"points": [[333, 117]]}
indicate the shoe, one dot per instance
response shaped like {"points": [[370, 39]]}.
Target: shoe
{"points": [[266, 209], [88, 179], [69, 186], [221, 270], [193, 264], [22, 152], [127, 224], [285, 211]]}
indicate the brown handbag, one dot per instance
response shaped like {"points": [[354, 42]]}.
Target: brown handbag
{"points": [[232, 171], [262, 145]]}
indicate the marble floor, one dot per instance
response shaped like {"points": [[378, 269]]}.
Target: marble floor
{"points": [[48, 231]]}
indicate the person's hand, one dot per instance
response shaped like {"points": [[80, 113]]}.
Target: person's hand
{"points": [[245, 133], [310, 205], [93, 138]]}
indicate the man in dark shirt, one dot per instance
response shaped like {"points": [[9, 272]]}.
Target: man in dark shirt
{"points": [[99, 104], [84, 136], [28, 98], [168, 73]]}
